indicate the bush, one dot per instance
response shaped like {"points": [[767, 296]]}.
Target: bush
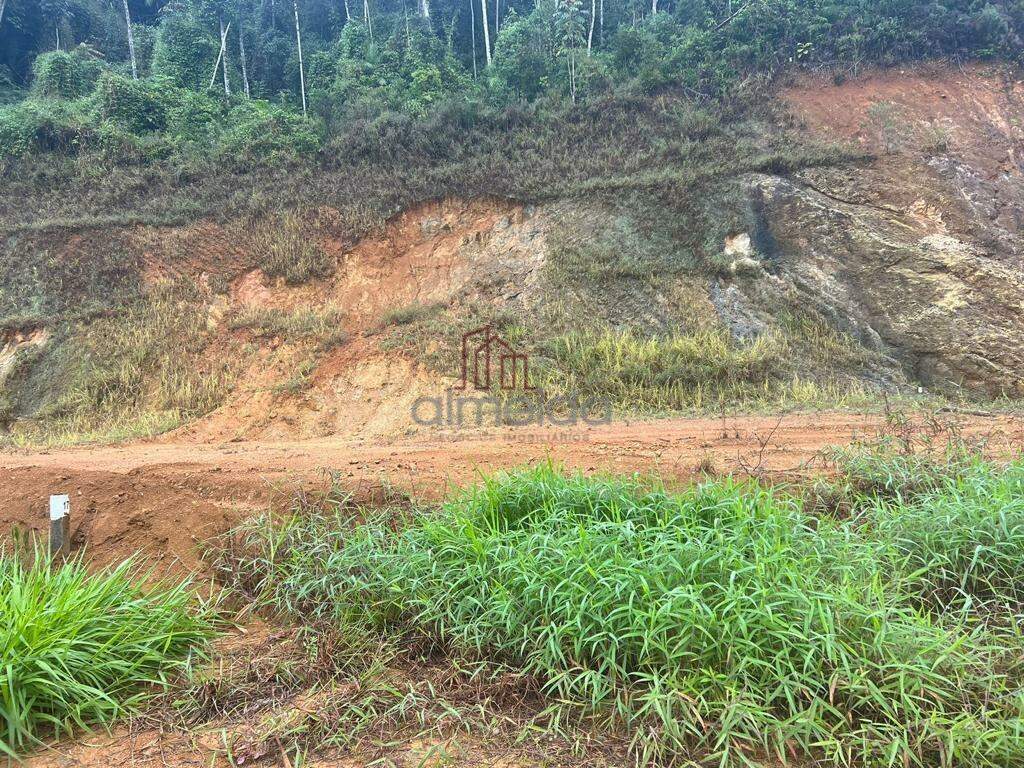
{"points": [[62, 75], [184, 51], [138, 106], [260, 132], [43, 126], [79, 648], [721, 625]]}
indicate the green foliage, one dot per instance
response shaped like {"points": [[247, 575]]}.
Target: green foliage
{"points": [[718, 625], [184, 51], [964, 538], [137, 106], [62, 75], [78, 649], [522, 56], [258, 131]]}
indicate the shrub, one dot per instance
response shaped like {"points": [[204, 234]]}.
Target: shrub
{"points": [[79, 648], [42, 126], [136, 105], [62, 75], [260, 132]]}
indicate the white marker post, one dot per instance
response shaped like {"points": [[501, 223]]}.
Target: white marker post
{"points": [[60, 525]]}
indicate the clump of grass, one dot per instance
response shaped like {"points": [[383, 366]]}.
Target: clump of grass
{"points": [[408, 314], [722, 624], [78, 649], [303, 323], [284, 247]]}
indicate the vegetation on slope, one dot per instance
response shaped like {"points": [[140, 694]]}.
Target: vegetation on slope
{"points": [[721, 623]]}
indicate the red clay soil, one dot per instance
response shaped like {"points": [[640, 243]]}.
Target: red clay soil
{"points": [[164, 499]]}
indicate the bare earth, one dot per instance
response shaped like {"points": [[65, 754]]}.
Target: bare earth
{"points": [[164, 498]]}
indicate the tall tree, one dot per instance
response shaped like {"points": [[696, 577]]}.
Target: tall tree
{"points": [[472, 27], [3, 4], [298, 42], [593, 19], [487, 34], [131, 40], [366, 19]]}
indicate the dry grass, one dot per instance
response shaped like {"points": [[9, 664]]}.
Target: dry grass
{"points": [[137, 372]]}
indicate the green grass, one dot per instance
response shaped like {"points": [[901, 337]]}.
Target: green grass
{"points": [[721, 624], [963, 538], [78, 649]]}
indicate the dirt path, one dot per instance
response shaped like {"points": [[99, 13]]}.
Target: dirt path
{"points": [[164, 498]]}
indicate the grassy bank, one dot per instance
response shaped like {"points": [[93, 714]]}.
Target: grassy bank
{"points": [[724, 623]]}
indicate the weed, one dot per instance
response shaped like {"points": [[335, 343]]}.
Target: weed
{"points": [[323, 324]]}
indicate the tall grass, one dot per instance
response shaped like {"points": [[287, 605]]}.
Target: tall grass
{"points": [[78, 649], [722, 624], [701, 370], [963, 538]]}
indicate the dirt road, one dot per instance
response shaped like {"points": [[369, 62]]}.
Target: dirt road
{"points": [[164, 498]]}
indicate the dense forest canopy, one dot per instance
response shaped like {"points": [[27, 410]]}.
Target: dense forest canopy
{"points": [[145, 78]]}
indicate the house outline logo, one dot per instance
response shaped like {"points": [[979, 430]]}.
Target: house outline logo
{"points": [[479, 347]]}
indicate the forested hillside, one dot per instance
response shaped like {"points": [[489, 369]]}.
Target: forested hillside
{"points": [[147, 80]]}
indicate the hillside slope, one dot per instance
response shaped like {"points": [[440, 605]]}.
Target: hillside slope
{"points": [[893, 265]]}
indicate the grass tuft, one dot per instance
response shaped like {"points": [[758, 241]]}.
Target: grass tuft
{"points": [[78, 649]]}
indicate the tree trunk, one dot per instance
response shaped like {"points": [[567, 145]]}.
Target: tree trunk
{"points": [[56, 28], [224, 57], [487, 34], [366, 19], [472, 27], [131, 40], [298, 41], [572, 76], [220, 57], [497, 15], [654, 7], [245, 69], [593, 21], [425, 9], [3, 3], [600, 37], [348, 13]]}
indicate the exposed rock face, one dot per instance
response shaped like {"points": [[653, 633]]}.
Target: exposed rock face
{"points": [[919, 253], [950, 310]]}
